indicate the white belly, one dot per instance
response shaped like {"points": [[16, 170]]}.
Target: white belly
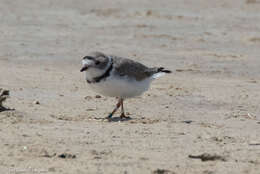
{"points": [[122, 87]]}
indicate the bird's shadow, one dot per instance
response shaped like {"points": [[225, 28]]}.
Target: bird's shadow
{"points": [[113, 119], [117, 119]]}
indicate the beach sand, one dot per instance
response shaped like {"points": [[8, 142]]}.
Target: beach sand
{"points": [[209, 104]]}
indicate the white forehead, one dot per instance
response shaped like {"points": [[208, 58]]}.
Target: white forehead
{"points": [[87, 62]]}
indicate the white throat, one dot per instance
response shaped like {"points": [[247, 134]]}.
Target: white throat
{"points": [[93, 72]]}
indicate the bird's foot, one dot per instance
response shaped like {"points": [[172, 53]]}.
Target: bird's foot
{"points": [[123, 116], [109, 116]]}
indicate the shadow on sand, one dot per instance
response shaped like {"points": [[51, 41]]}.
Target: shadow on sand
{"points": [[113, 119]]}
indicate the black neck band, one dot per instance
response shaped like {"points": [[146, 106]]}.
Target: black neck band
{"points": [[103, 76]]}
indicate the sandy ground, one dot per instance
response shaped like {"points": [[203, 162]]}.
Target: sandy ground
{"points": [[209, 104]]}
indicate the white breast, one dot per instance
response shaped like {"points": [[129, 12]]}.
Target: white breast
{"points": [[121, 86]]}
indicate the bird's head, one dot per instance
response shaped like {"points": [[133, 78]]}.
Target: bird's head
{"points": [[94, 64]]}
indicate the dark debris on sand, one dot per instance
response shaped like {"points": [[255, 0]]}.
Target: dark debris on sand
{"points": [[208, 157], [162, 171], [67, 156], [4, 94]]}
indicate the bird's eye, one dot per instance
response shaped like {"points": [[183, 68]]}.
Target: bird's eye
{"points": [[97, 62]]}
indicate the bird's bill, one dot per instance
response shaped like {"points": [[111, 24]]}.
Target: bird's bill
{"points": [[84, 68], [86, 64]]}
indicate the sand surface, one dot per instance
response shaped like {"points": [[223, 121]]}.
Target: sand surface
{"points": [[209, 104]]}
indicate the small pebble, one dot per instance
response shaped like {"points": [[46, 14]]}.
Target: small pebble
{"points": [[36, 102], [98, 96], [187, 121], [87, 97], [67, 155]]}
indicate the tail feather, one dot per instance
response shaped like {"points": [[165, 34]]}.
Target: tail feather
{"points": [[160, 72], [161, 69]]}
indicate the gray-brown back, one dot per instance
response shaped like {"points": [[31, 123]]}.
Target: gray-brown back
{"points": [[130, 68]]}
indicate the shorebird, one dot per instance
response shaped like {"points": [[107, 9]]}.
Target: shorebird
{"points": [[118, 77]]}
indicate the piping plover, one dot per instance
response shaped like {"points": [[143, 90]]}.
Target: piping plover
{"points": [[118, 77]]}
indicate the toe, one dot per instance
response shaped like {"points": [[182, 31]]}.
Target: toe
{"points": [[109, 116], [123, 116]]}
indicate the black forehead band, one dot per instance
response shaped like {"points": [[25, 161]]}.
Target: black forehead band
{"points": [[88, 57]]}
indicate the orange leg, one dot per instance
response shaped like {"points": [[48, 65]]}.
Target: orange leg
{"points": [[122, 116], [116, 108]]}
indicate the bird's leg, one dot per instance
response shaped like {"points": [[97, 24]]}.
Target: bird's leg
{"points": [[122, 110], [116, 108]]}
